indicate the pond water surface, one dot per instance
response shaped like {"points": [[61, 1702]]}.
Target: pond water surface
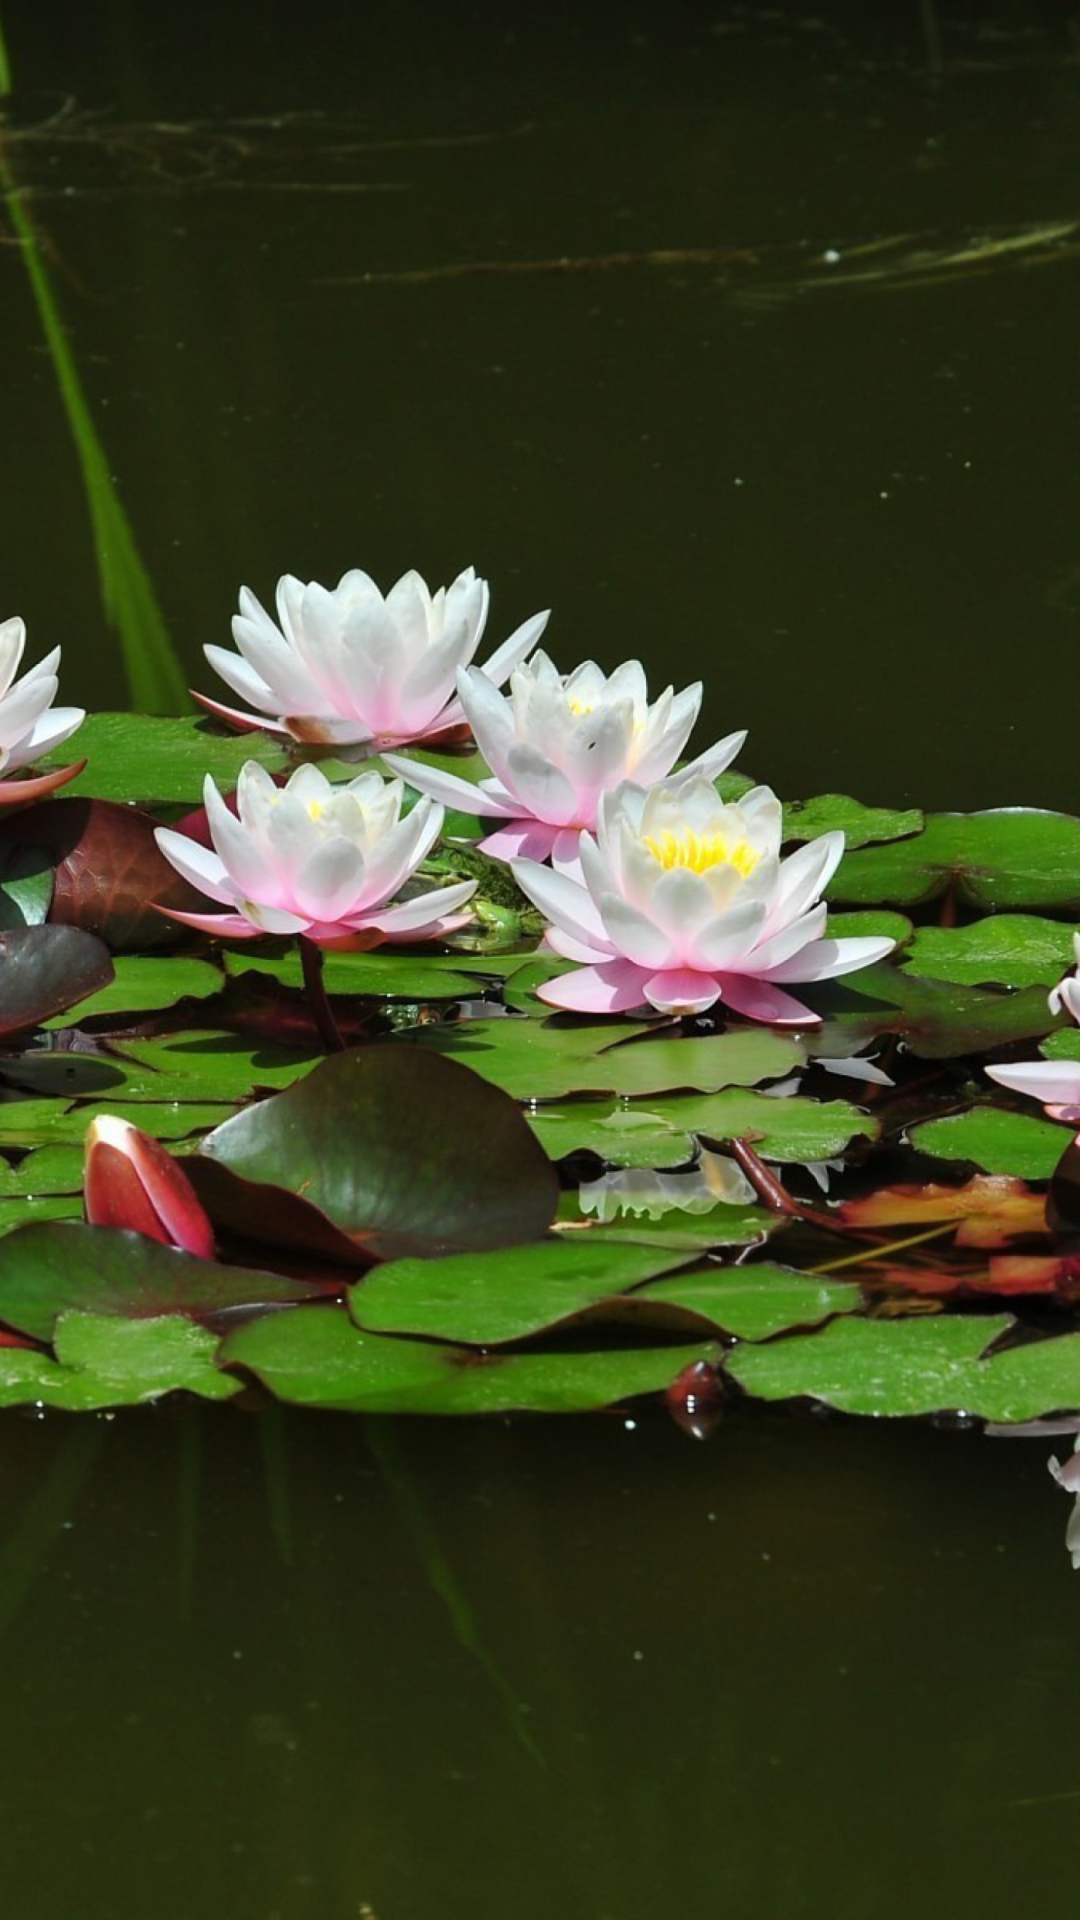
{"points": [[419, 285]]}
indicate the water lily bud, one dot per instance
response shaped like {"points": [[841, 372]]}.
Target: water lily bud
{"points": [[130, 1181]]}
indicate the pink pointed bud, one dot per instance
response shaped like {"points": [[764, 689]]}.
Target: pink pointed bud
{"points": [[130, 1181]]}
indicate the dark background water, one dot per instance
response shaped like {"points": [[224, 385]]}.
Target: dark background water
{"points": [[280, 1669], [853, 510]]}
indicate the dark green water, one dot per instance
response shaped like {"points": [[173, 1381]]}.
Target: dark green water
{"points": [[275, 1671]]}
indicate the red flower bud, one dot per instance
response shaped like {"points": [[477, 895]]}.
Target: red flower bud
{"points": [[130, 1181]]}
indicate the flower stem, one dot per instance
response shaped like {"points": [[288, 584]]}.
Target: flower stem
{"points": [[311, 965], [772, 1193]]}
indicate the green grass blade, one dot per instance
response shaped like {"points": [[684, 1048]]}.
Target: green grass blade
{"points": [[156, 682]]}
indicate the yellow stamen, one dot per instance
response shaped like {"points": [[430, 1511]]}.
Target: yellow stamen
{"points": [[699, 852]]}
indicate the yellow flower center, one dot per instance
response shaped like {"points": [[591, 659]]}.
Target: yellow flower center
{"points": [[581, 707], [699, 851]]}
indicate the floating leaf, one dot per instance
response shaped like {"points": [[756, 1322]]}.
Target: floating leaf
{"points": [[1011, 857], [161, 762], [406, 1152], [486, 1299], [316, 1357], [919, 1366], [544, 1060], [662, 1133], [144, 981], [936, 1019], [805, 819], [55, 1267], [754, 1302], [995, 1139], [114, 1363], [1007, 949], [45, 970], [989, 1210]]}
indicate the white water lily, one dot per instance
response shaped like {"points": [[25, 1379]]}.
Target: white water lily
{"points": [[350, 666], [1055, 1082], [313, 859], [557, 743], [29, 723], [683, 901]]}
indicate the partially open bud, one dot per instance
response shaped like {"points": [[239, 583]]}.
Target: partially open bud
{"points": [[130, 1181]]}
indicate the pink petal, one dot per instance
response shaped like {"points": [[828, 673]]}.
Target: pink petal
{"points": [[613, 988], [520, 840], [14, 791], [760, 1000], [682, 990], [246, 722]]}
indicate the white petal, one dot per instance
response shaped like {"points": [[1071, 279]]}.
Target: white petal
{"points": [[1054, 1082], [562, 902]]}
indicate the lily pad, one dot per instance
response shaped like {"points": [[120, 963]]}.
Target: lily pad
{"points": [[142, 981], [661, 1133], [805, 819], [51, 1268], [46, 970], [406, 1152], [544, 1060], [935, 1018], [102, 1362], [160, 762], [995, 1139], [1007, 949], [317, 1357], [916, 1366], [1008, 858], [754, 1302], [487, 1299]]}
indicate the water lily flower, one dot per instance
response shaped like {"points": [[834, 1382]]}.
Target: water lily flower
{"points": [[314, 859], [557, 743], [352, 667], [130, 1181], [1055, 1082], [29, 723], [684, 901]]}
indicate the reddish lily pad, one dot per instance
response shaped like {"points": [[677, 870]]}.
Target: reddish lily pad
{"points": [[45, 970], [109, 870], [404, 1151]]}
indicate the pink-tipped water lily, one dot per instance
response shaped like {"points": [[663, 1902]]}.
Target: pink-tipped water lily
{"points": [[683, 901], [29, 723], [352, 667], [318, 860], [1055, 1082], [557, 743], [130, 1181]]}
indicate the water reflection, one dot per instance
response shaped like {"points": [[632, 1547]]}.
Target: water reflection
{"points": [[580, 1667]]}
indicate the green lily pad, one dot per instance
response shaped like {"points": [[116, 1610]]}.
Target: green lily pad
{"points": [[48, 1170], [114, 1363], [1008, 949], [404, 1151], [149, 980], [754, 1302], [51, 1268], [792, 1129], [877, 924], [805, 819], [997, 1140], [316, 1357], [930, 1364], [487, 1299], [1009, 858], [936, 1019], [543, 1060], [156, 762], [198, 1066]]}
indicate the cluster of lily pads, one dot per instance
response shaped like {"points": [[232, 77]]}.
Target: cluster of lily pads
{"points": [[571, 1141]]}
